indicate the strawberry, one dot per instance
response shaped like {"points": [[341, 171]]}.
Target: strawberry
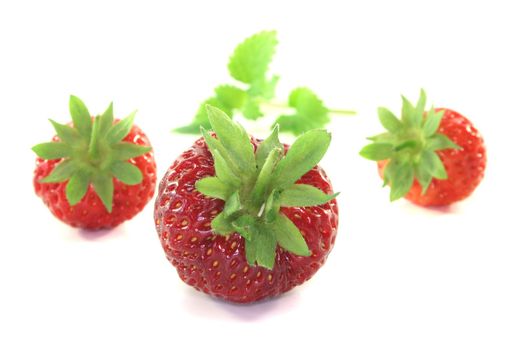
{"points": [[97, 172], [244, 219], [432, 158]]}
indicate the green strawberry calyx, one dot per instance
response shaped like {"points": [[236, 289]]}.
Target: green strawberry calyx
{"points": [[255, 185], [92, 153], [409, 145]]}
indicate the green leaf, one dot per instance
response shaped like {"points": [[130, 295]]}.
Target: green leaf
{"points": [[252, 110], [432, 121], [251, 58], [106, 120], [52, 150], [200, 120], [80, 115], [230, 96], [423, 177], [103, 186], [266, 248], [271, 207], [120, 130], [385, 137], [61, 172], [223, 171], [408, 112], [245, 226], [66, 133], [389, 120], [420, 108], [127, 150], [310, 112], [250, 246], [377, 151], [126, 173], [265, 175], [440, 142], [288, 236], [401, 179], [300, 195], [264, 88], [76, 188], [213, 187], [267, 146], [431, 163], [234, 139], [221, 225], [232, 205], [302, 156]]}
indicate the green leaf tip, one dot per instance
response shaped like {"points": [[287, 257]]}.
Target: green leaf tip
{"points": [[91, 152], [255, 184], [409, 146]]}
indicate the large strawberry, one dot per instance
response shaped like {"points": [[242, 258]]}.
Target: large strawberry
{"points": [[97, 172], [431, 158], [244, 219]]}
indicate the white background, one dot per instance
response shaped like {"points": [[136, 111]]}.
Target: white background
{"points": [[399, 277]]}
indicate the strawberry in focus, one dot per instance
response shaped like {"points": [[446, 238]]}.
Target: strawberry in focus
{"points": [[432, 158], [97, 172], [244, 219]]}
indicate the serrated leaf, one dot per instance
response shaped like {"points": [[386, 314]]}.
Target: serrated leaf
{"points": [[221, 225], [288, 236], [401, 179], [251, 109], [61, 172], [251, 58], [80, 115], [431, 163], [264, 88], [302, 156], [377, 151], [432, 121], [52, 150], [213, 187], [389, 120], [127, 150], [230, 96], [120, 130], [232, 205], [126, 173], [103, 186], [310, 112], [76, 188], [234, 139], [66, 133], [440, 142], [301, 195]]}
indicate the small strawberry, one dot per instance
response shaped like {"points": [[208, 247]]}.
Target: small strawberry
{"points": [[432, 158], [97, 172], [244, 219]]}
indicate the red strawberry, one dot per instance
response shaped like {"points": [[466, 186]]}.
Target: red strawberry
{"points": [[244, 222], [97, 172], [431, 158]]}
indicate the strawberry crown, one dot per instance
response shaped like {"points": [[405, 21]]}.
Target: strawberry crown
{"points": [[92, 153], [410, 146], [255, 185]]}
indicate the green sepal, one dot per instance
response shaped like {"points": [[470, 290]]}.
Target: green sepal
{"points": [[92, 153], [301, 195], [52, 150], [213, 187], [255, 192], [409, 146]]}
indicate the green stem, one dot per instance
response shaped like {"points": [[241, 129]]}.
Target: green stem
{"points": [[286, 107]]}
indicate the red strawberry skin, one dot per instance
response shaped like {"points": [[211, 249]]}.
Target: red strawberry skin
{"points": [[465, 166], [216, 264], [90, 212]]}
